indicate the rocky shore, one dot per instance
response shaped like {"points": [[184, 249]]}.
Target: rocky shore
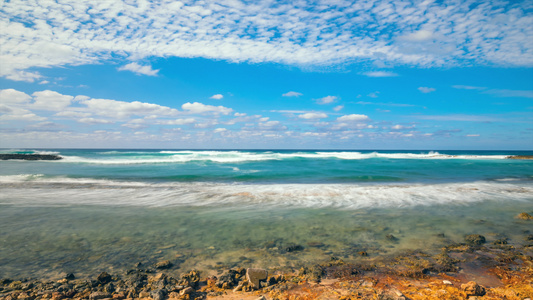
{"points": [[520, 157], [30, 157], [472, 269]]}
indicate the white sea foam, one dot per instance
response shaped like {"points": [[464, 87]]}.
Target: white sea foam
{"points": [[243, 156], [42, 152], [39, 190]]}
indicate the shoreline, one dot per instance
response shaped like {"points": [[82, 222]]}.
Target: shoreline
{"points": [[472, 268]]}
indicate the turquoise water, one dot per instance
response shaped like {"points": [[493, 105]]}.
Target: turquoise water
{"points": [[101, 210]]}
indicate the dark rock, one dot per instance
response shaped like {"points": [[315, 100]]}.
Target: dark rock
{"points": [[391, 237], [227, 280], [30, 156], [104, 278], [293, 248], [190, 279], [315, 244], [137, 280], [500, 242], [475, 239], [166, 264], [158, 294], [529, 238], [473, 289], [109, 288], [70, 276]]}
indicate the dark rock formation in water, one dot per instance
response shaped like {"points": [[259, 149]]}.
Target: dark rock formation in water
{"points": [[520, 157], [30, 156]]}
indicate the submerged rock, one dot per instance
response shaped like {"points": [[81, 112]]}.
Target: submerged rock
{"points": [[524, 216], [475, 239], [165, 264], [294, 247], [391, 237]]}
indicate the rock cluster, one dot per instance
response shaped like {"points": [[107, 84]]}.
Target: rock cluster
{"points": [[135, 284], [30, 156]]}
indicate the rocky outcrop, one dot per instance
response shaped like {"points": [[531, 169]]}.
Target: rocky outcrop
{"points": [[520, 157], [255, 275], [524, 216], [473, 289], [475, 239], [30, 157]]}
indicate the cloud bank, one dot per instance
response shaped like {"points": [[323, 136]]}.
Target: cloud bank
{"points": [[413, 33]]}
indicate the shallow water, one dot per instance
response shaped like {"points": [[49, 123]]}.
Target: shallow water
{"points": [[101, 210], [85, 240]]}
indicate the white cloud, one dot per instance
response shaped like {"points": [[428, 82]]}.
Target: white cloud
{"points": [[219, 130], [418, 36], [135, 124], [217, 97], [29, 117], [380, 74], [239, 114], [42, 34], [121, 109], [138, 69], [373, 95], [353, 118], [313, 116], [72, 114], [468, 87], [19, 75], [458, 117], [472, 135], [426, 90], [292, 94], [504, 93], [11, 96], [94, 121], [50, 100], [199, 108], [402, 127], [510, 93], [338, 107], [179, 121], [326, 100]]}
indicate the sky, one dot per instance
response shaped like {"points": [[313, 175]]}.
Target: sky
{"points": [[230, 74]]}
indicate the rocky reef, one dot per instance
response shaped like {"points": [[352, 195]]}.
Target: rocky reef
{"points": [[520, 157], [474, 269], [30, 157]]}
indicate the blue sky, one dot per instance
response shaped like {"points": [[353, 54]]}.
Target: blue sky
{"points": [[270, 74]]}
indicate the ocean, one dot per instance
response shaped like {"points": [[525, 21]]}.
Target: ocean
{"points": [[110, 209]]}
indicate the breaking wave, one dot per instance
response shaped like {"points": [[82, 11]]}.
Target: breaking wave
{"points": [[115, 157], [43, 191]]}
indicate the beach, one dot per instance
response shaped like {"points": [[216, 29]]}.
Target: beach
{"points": [[321, 224]]}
